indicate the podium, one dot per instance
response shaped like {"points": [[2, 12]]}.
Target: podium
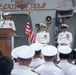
{"points": [[6, 40]]}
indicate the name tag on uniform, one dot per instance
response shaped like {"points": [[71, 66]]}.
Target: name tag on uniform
{"points": [[61, 35]]}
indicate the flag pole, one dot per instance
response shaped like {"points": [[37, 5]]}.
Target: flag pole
{"points": [[29, 27], [57, 14], [56, 26], [56, 7], [1, 13], [29, 10]]}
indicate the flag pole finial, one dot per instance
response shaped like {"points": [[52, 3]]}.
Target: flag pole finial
{"points": [[56, 7], [29, 10]]}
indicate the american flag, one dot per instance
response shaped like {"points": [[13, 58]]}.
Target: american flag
{"points": [[29, 31]]}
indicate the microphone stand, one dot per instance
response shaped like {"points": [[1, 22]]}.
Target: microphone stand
{"points": [[3, 23]]}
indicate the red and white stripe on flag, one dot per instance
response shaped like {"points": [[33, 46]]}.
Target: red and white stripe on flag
{"points": [[29, 31], [32, 37]]}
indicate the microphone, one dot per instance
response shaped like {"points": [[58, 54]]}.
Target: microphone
{"points": [[3, 23]]}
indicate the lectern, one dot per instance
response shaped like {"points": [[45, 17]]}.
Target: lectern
{"points": [[6, 40]]}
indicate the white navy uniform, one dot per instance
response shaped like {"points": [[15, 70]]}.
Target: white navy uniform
{"points": [[15, 64], [36, 63], [43, 37], [8, 24], [65, 37], [72, 71], [65, 66], [13, 54], [24, 53], [22, 70], [49, 68]]}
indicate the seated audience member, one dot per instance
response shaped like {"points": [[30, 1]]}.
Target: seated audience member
{"points": [[14, 57], [72, 71], [6, 65], [64, 56], [37, 59], [48, 67], [24, 56]]}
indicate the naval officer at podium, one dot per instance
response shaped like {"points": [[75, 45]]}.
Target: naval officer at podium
{"points": [[7, 23]]}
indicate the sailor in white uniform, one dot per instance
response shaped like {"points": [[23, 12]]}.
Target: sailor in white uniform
{"points": [[72, 71], [43, 37], [64, 56], [14, 57], [7, 23], [24, 55], [48, 67], [37, 59], [65, 37]]}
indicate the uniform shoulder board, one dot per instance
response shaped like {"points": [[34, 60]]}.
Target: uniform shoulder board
{"points": [[37, 66], [35, 72], [57, 66]]}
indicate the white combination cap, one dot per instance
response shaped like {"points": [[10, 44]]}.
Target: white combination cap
{"points": [[14, 52], [7, 13], [42, 24], [25, 52], [36, 46], [64, 49], [75, 49], [49, 50], [64, 25]]}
